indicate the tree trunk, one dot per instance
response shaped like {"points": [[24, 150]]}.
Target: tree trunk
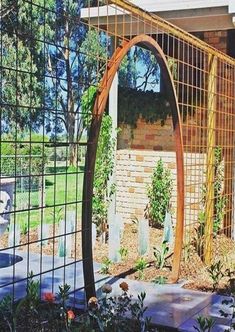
{"points": [[72, 154], [72, 141]]}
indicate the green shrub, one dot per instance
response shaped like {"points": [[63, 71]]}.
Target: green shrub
{"points": [[159, 195], [21, 157], [105, 157], [103, 170]]}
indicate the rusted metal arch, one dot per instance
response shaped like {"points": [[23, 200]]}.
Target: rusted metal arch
{"points": [[98, 111]]}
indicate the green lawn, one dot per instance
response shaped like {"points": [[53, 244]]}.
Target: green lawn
{"points": [[61, 189]]}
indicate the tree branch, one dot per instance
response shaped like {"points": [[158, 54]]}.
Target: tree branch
{"points": [[7, 10]]}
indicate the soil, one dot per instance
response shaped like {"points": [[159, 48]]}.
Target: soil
{"points": [[194, 273]]}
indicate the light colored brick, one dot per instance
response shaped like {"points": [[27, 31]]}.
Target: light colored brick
{"points": [[139, 179]]}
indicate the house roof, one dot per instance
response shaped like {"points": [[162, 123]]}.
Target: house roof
{"points": [[190, 15], [169, 5]]}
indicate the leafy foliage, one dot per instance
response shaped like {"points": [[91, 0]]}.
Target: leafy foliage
{"points": [[159, 194], [116, 313], [103, 170], [134, 104], [123, 253], [216, 274], [23, 157], [199, 238], [87, 103], [53, 313], [49, 75], [220, 200], [220, 203], [160, 255], [160, 280], [104, 160], [34, 315], [21, 92], [140, 265], [106, 263], [205, 324]]}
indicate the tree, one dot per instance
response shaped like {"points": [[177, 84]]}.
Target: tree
{"points": [[21, 91], [22, 61], [74, 64], [139, 70], [64, 59]]}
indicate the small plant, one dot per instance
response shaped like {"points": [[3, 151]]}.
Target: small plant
{"points": [[63, 293], [205, 324], [160, 280], [216, 274], [24, 228], [159, 195], [123, 253], [11, 312], [110, 312], [199, 239], [7, 313], [57, 215], [106, 263], [33, 292], [35, 314], [140, 265], [160, 255]]}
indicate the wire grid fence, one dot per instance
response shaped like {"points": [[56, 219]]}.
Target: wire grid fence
{"points": [[46, 66], [42, 146], [204, 83]]}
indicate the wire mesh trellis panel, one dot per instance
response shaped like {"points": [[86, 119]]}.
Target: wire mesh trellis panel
{"points": [[42, 145], [51, 54], [204, 82]]}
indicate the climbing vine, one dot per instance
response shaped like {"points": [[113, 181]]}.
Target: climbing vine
{"points": [[150, 105], [105, 157]]}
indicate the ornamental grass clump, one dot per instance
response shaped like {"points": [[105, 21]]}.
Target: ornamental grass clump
{"points": [[159, 195]]}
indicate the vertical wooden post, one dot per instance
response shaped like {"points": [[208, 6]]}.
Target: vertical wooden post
{"points": [[229, 152], [210, 172], [233, 196]]}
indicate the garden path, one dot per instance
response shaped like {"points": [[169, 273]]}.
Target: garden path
{"points": [[170, 306]]}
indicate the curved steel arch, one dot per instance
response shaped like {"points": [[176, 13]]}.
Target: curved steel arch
{"points": [[99, 108]]}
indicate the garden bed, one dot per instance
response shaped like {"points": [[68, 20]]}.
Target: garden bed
{"points": [[193, 271]]}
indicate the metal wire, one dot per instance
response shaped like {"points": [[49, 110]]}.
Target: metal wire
{"points": [[204, 80]]}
